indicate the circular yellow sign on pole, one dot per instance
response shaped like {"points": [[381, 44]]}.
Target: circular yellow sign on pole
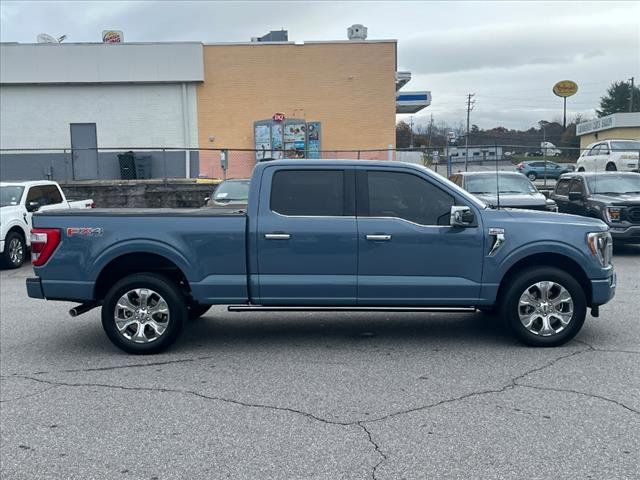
{"points": [[565, 88]]}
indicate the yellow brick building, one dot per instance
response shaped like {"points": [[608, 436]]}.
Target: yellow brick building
{"points": [[347, 86]]}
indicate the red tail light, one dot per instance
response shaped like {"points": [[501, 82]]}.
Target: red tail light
{"points": [[43, 243], [520, 166]]}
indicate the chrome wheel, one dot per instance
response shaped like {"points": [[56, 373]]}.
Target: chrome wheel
{"points": [[141, 315], [545, 308], [16, 251]]}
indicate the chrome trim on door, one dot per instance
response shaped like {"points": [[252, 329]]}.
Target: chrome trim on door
{"points": [[277, 236]]}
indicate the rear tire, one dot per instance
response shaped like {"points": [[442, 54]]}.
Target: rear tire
{"points": [[581, 169], [554, 318], [611, 167], [143, 313], [532, 176], [15, 251]]}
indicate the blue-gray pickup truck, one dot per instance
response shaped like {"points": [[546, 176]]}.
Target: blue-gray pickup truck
{"points": [[326, 235]]}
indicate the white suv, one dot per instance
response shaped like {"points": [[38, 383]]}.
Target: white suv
{"points": [[611, 155]]}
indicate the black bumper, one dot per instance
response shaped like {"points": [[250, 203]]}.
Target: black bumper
{"points": [[34, 288], [625, 235]]}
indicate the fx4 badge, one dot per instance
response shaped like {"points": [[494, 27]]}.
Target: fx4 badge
{"points": [[84, 232]]}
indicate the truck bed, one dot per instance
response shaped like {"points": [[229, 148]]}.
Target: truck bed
{"points": [[207, 244]]}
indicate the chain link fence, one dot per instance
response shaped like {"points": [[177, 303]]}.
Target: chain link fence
{"points": [[161, 163]]}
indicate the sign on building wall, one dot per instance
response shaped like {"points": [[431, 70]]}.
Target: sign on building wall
{"points": [[286, 138], [112, 36]]}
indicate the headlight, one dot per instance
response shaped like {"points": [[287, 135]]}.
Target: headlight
{"points": [[600, 246], [612, 214], [552, 206]]}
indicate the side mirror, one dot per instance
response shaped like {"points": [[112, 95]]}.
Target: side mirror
{"points": [[573, 196], [206, 201], [461, 217], [32, 206]]}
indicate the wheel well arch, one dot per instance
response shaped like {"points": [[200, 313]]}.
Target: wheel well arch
{"points": [[138, 262], [19, 230], [555, 260]]}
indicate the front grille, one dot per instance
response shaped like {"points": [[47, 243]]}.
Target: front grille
{"points": [[633, 214]]}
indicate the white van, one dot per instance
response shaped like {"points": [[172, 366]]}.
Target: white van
{"points": [[610, 155]]}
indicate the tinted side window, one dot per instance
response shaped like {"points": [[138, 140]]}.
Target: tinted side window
{"points": [[562, 188], [407, 196], [308, 192], [44, 195], [576, 186]]}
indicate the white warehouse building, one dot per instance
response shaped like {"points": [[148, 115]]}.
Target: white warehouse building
{"points": [[66, 113]]}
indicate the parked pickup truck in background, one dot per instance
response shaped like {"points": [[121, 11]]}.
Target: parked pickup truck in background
{"points": [[18, 201], [613, 197], [516, 191], [330, 235]]}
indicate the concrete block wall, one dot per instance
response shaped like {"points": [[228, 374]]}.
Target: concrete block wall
{"points": [[140, 194]]}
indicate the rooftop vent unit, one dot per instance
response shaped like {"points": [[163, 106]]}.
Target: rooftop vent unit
{"points": [[357, 32], [273, 36]]}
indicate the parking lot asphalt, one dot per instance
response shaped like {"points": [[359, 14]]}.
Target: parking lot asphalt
{"points": [[319, 395]]}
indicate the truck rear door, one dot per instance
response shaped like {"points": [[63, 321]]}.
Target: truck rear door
{"points": [[306, 236]]}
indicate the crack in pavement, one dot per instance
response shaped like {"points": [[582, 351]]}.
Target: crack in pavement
{"points": [[120, 367], [382, 455], [510, 385], [187, 392], [612, 350], [513, 383], [29, 395], [578, 392]]}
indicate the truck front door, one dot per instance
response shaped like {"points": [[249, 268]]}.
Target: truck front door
{"points": [[409, 255], [306, 237]]}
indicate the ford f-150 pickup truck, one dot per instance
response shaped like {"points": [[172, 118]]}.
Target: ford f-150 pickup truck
{"points": [[18, 201], [329, 235]]}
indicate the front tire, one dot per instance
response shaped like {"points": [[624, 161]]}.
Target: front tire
{"points": [[544, 307], [143, 313], [15, 251]]}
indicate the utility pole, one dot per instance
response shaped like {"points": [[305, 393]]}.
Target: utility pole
{"points": [[470, 105], [631, 96], [430, 130], [411, 129]]}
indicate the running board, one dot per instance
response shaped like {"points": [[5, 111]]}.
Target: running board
{"points": [[262, 308]]}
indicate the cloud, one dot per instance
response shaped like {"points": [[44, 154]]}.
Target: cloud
{"points": [[509, 53], [515, 45]]}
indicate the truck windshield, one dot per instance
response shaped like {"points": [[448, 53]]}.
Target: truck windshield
{"points": [[480, 184], [232, 190], [614, 184], [10, 195]]}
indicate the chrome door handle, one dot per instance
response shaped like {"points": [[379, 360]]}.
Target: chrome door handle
{"points": [[277, 236], [379, 238]]}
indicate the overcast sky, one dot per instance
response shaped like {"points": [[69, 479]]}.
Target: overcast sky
{"points": [[508, 53]]}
